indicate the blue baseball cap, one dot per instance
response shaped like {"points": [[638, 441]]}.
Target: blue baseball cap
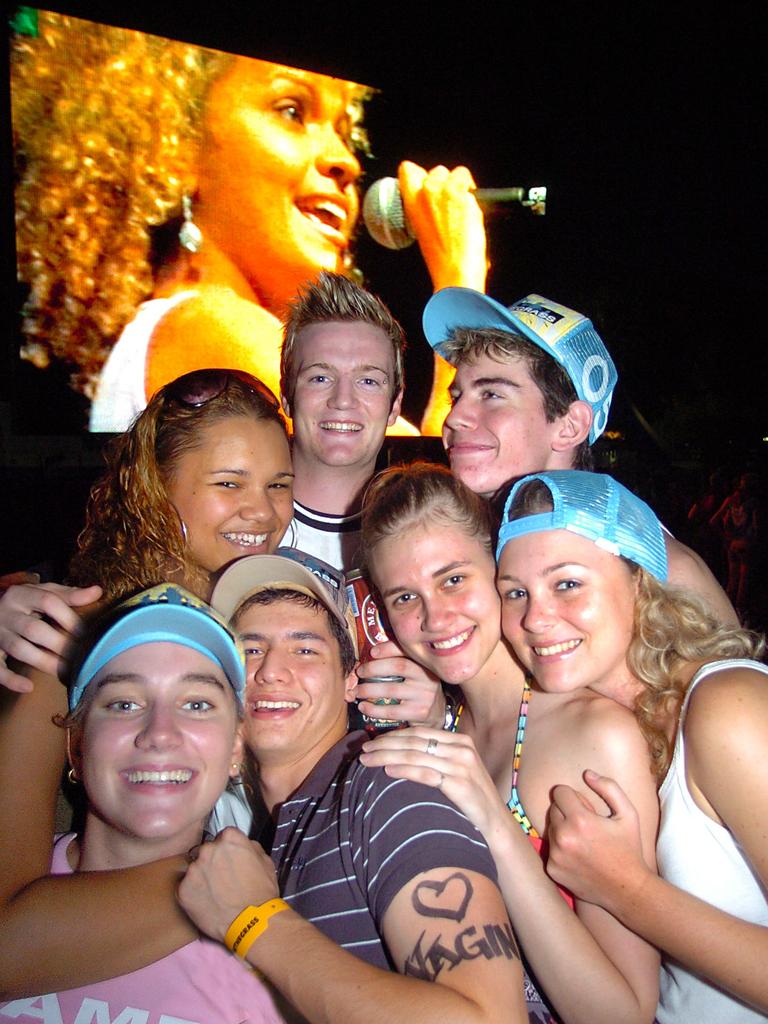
{"points": [[566, 335], [163, 614], [597, 507]]}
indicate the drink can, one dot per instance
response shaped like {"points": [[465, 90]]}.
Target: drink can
{"points": [[370, 631]]}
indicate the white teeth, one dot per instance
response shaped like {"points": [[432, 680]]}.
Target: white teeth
{"points": [[333, 209], [175, 775], [274, 705], [246, 540], [569, 645], [344, 428], [445, 645], [325, 214]]}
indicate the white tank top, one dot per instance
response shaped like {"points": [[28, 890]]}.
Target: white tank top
{"points": [[121, 394], [701, 857]]}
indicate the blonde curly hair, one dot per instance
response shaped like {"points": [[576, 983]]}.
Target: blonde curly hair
{"points": [[106, 132], [674, 630]]}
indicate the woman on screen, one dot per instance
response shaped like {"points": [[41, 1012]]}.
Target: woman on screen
{"points": [[172, 199]]}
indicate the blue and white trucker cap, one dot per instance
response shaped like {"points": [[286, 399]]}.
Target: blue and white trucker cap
{"points": [[597, 507], [163, 614], [566, 335]]}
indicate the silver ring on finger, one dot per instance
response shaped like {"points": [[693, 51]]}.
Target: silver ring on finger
{"points": [[431, 746]]}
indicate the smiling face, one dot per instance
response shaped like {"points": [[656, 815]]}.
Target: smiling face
{"points": [[154, 752], [568, 611], [497, 429], [342, 402], [440, 599], [296, 692], [234, 491], [276, 176]]}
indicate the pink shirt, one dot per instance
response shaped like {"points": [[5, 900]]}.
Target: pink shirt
{"points": [[201, 983]]}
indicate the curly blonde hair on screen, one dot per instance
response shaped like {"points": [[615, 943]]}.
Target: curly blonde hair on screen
{"points": [[107, 124], [106, 127]]}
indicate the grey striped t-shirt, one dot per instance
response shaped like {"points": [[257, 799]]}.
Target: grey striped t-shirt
{"points": [[351, 837]]}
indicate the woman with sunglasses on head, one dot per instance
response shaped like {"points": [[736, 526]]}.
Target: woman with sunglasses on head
{"points": [[152, 737], [203, 477], [444, 610], [171, 200]]}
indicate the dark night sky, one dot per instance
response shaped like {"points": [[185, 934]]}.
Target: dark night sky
{"points": [[644, 121]]}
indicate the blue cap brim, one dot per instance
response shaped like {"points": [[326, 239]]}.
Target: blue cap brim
{"points": [[159, 623], [463, 307]]}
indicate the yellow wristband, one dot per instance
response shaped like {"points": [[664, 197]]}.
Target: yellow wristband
{"points": [[249, 924]]}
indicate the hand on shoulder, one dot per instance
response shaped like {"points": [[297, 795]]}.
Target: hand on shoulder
{"points": [[603, 736]]}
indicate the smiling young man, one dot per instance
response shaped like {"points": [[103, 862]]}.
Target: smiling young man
{"points": [[532, 392], [389, 904], [342, 385]]}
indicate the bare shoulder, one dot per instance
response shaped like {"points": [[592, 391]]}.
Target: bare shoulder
{"points": [[689, 571], [737, 696], [726, 736], [611, 731], [604, 736], [215, 327], [215, 305]]}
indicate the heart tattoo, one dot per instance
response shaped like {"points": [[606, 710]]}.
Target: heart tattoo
{"points": [[448, 899]]}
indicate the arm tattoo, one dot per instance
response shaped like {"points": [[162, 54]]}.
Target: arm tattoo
{"points": [[443, 899], [450, 899]]}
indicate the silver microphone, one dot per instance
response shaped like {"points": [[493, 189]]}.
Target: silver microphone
{"points": [[387, 224]]}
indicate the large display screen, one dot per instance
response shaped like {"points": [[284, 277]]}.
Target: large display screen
{"points": [[116, 134], [170, 201]]}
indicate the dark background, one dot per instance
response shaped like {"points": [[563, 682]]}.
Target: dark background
{"points": [[644, 121]]}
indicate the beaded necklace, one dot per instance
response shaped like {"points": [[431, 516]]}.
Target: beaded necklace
{"points": [[514, 800], [455, 719]]}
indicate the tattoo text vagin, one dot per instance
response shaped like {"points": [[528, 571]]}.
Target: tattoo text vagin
{"points": [[450, 899]]}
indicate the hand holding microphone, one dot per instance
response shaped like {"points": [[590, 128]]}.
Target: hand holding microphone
{"points": [[387, 206], [439, 209], [442, 214]]}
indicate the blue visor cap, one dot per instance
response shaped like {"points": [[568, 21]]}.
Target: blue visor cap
{"points": [[599, 508], [562, 332], [164, 614]]}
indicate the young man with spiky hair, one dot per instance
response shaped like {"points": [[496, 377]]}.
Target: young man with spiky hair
{"points": [[341, 380]]}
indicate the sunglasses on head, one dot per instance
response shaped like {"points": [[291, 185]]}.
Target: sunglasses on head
{"points": [[199, 387]]}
